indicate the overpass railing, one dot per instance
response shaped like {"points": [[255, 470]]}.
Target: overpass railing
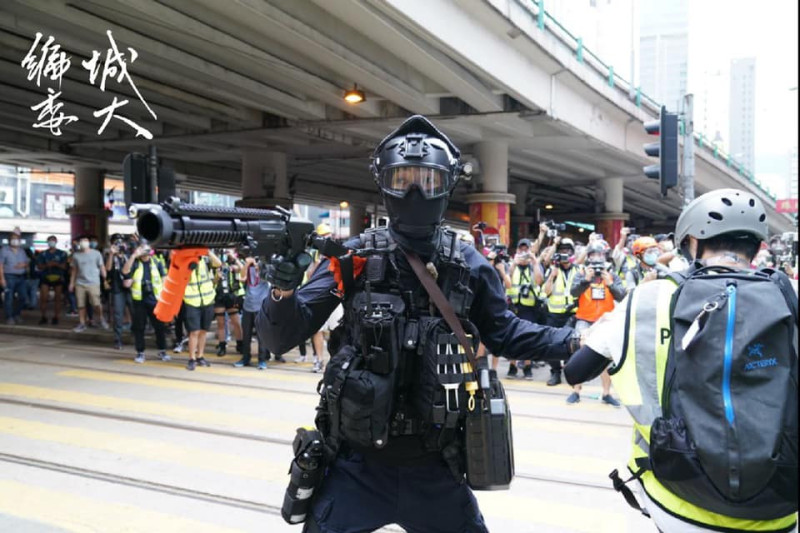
{"points": [[546, 22]]}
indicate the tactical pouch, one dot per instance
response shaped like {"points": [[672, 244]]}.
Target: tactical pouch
{"points": [[439, 395], [379, 329], [359, 401], [488, 438]]}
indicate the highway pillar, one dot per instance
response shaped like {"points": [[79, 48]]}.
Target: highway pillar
{"points": [[88, 215], [265, 183], [492, 205], [613, 219], [357, 214], [520, 222]]}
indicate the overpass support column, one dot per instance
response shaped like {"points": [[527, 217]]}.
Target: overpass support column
{"points": [[265, 183], [357, 214], [613, 219], [493, 204], [520, 223], [88, 215]]}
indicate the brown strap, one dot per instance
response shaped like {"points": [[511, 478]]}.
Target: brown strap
{"points": [[442, 303]]}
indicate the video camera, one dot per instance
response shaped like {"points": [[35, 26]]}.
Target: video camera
{"points": [[554, 228]]}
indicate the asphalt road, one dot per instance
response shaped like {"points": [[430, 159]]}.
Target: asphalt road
{"points": [[91, 441]]}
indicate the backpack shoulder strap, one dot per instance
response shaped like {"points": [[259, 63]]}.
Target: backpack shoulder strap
{"points": [[783, 283]]}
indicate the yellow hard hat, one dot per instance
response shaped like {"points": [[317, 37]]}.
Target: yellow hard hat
{"points": [[323, 230]]}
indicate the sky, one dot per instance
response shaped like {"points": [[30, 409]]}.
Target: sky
{"points": [[767, 30], [719, 31]]}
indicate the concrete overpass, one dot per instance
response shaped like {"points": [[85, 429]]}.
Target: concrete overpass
{"points": [[248, 98]]}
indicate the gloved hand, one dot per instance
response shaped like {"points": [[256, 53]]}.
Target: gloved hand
{"points": [[287, 274]]}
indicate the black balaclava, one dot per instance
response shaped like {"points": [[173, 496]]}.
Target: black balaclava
{"points": [[415, 217]]}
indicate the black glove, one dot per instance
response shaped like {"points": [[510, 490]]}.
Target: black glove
{"points": [[287, 274]]}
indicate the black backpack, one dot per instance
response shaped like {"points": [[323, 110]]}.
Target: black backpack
{"points": [[727, 440]]}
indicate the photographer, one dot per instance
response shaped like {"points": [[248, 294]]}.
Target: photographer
{"points": [[119, 295], [624, 262], [144, 277], [597, 289], [524, 295], [560, 303], [229, 297]]}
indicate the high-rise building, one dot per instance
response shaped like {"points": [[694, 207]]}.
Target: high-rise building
{"points": [[664, 50], [742, 114]]}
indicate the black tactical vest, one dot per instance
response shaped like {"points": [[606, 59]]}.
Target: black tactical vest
{"points": [[397, 368]]}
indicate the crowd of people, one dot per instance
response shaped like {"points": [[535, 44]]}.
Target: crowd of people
{"points": [[557, 281], [116, 288], [551, 280]]}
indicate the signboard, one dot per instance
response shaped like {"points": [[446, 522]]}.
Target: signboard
{"points": [[56, 205], [788, 205]]}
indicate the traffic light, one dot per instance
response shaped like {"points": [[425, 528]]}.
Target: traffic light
{"points": [[666, 149], [367, 221]]}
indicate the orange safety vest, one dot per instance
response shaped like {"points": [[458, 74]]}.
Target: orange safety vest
{"points": [[590, 309]]}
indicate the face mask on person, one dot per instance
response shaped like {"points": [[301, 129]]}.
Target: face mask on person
{"points": [[51, 244], [84, 245], [650, 258], [93, 245], [14, 243]]}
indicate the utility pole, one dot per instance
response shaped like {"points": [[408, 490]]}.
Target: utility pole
{"points": [[688, 148]]}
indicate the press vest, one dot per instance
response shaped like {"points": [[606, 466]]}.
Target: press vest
{"points": [[138, 275], [234, 285], [590, 308], [639, 379], [560, 298], [520, 279], [200, 289], [628, 264]]}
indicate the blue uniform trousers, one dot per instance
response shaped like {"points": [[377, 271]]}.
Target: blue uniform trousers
{"points": [[362, 495]]}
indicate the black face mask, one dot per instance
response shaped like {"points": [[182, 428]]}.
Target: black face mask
{"points": [[414, 216]]}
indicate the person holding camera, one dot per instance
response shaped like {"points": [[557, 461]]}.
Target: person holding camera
{"points": [[560, 303], [230, 293], [646, 251], [256, 290], [524, 295], [198, 300], [597, 289], [119, 294], [144, 276]]}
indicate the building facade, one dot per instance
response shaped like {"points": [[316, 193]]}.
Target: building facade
{"points": [[742, 111]]}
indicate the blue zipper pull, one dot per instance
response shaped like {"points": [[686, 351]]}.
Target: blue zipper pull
{"points": [[728, 354]]}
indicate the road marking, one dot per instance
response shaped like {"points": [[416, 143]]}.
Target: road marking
{"points": [[191, 415], [194, 386], [79, 514], [589, 467], [148, 449]]}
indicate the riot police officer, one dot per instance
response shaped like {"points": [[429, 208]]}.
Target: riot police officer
{"points": [[412, 473]]}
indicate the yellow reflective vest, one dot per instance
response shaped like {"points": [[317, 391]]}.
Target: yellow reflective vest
{"points": [[560, 298], [521, 277], [639, 379], [138, 275], [200, 289]]}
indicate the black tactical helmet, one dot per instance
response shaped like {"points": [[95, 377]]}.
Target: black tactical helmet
{"points": [[416, 168]]}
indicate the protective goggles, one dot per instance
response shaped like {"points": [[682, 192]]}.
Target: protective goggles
{"points": [[432, 182]]}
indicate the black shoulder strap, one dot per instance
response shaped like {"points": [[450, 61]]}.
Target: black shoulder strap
{"points": [[783, 283], [443, 304]]}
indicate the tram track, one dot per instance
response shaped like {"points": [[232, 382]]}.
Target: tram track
{"points": [[237, 435], [293, 391]]}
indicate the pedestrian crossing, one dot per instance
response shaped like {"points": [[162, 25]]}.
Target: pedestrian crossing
{"points": [[268, 404]]}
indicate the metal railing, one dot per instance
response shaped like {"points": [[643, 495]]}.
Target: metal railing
{"points": [[546, 22]]}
